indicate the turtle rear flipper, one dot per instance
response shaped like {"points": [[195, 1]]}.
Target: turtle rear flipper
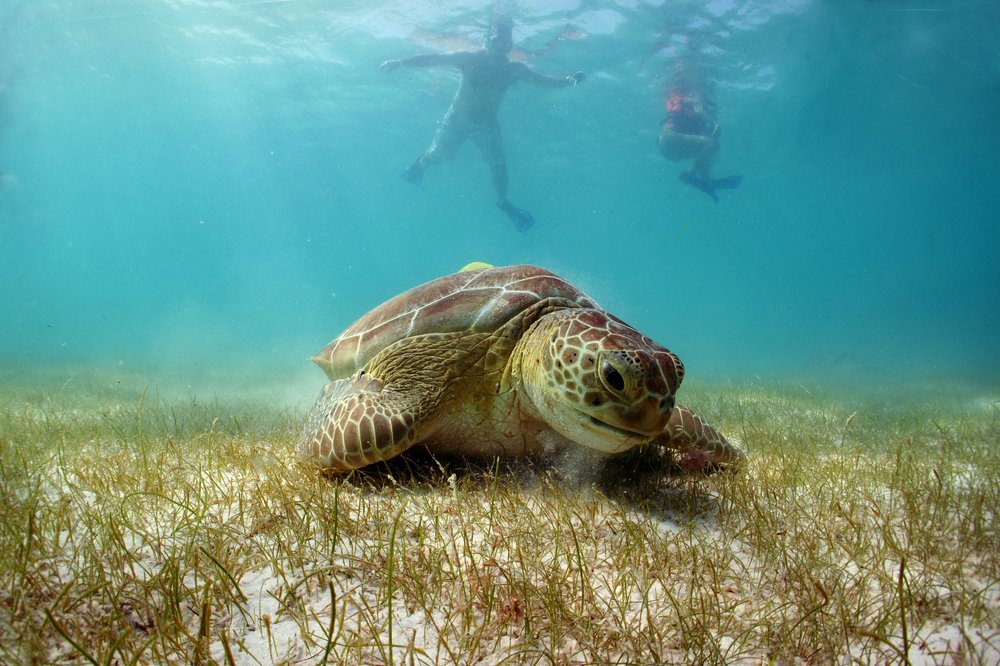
{"points": [[697, 446], [357, 422]]}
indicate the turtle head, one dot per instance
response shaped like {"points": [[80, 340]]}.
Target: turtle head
{"points": [[598, 381]]}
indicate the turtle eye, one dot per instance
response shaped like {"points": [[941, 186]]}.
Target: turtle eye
{"points": [[612, 378]]}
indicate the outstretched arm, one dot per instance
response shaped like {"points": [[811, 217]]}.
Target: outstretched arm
{"points": [[546, 81], [425, 60]]}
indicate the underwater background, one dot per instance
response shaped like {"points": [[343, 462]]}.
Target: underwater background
{"points": [[211, 190]]}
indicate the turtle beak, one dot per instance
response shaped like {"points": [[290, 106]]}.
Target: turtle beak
{"points": [[648, 417]]}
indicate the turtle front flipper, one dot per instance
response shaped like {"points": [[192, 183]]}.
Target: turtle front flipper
{"points": [[697, 446], [357, 422]]}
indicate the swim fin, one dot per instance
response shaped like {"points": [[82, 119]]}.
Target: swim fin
{"points": [[521, 218], [710, 185], [413, 174], [729, 182], [703, 184]]}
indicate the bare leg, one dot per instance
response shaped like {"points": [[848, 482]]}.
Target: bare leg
{"points": [[521, 218], [499, 172], [490, 144], [702, 164], [447, 140]]}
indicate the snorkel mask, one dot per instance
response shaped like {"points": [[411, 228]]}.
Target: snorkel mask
{"points": [[500, 38]]}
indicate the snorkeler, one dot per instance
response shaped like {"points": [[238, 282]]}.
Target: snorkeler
{"points": [[690, 132], [486, 75]]}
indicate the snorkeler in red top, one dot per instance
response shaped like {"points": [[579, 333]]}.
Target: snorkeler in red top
{"points": [[690, 132], [486, 75]]}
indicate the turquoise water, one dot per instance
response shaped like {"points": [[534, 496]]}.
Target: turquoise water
{"points": [[192, 185]]}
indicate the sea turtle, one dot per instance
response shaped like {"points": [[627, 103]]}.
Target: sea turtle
{"points": [[504, 361]]}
